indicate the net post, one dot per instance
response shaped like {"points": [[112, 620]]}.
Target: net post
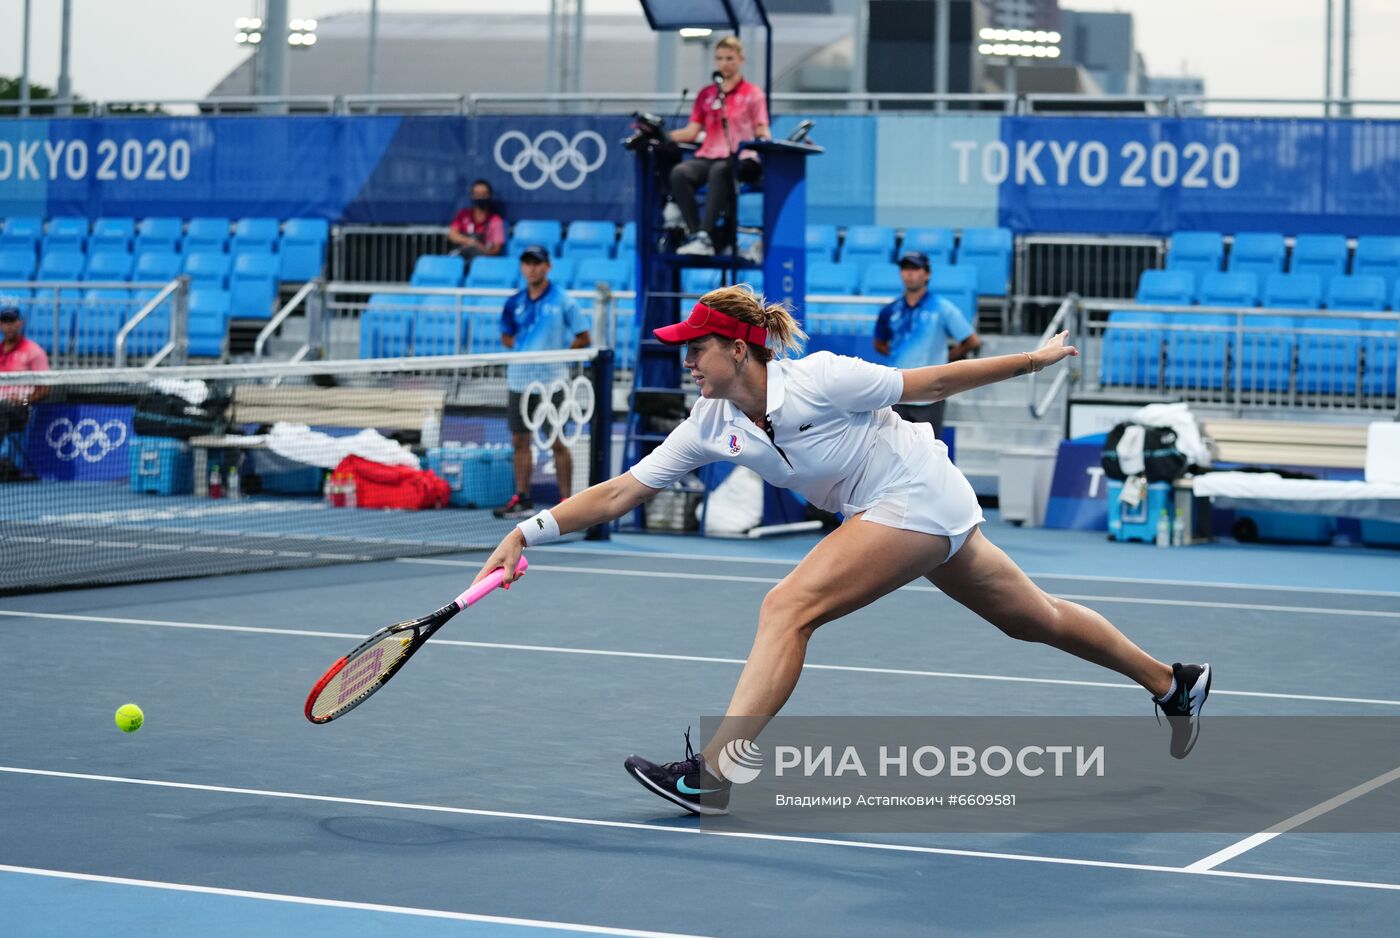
{"points": [[600, 433]]}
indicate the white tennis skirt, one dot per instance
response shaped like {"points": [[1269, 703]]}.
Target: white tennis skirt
{"points": [[939, 500]]}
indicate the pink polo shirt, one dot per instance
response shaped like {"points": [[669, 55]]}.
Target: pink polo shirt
{"points": [[25, 356], [746, 110]]}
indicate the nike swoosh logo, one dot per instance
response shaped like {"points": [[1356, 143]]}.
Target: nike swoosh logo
{"points": [[681, 786], [805, 426]]}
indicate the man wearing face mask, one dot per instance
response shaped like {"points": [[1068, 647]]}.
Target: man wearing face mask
{"points": [[729, 110], [478, 228]]}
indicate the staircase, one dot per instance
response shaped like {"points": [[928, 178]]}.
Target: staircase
{"points": [[997, 418]]}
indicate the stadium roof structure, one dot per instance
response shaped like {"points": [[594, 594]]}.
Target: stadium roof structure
{"points": [[493, 53]]}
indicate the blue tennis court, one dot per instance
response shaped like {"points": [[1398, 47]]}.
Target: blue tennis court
{"points": [[483, 792]]}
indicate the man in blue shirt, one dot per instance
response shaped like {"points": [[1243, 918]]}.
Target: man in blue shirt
{"points": [[538, 318], [917, 329]]}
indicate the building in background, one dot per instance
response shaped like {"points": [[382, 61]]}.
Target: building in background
{"points": [[1025, 14]]}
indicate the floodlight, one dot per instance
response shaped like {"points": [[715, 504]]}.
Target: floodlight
{"points": [[695, 32], [1053, 52], [986, 33], [1053, 38], [295, 26], [242, 23], [308, 25], [294, 39], [255, 38], [309, 39], [241, 38]]}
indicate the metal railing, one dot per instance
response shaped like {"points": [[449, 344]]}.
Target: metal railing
{"points": [[383, 254], [78, 323], [1048, 267], [1065, 319], [178, 292]]}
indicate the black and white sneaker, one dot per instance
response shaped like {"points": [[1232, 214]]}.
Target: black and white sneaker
{"points": [[519, 506], [688, 783], [699, 245], [1183, 708]]}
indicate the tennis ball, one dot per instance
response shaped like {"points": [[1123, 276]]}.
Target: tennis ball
{"points": [[129, 718]]}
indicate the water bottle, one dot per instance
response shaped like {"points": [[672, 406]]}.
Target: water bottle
{"points": [[234, 490], [216, 483], [349, 489], [1164, 530]]}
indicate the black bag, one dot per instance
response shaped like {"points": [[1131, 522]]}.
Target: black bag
{"points": [[169, 415], [1163, 462]]}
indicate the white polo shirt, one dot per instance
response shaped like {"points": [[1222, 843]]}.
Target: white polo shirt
{"points": [[835, 441]]}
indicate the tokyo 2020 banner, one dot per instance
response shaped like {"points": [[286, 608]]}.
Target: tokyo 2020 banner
{"points": [[1032, 174]]}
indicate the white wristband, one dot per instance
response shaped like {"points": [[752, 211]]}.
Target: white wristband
{"points": [[540, 529]]}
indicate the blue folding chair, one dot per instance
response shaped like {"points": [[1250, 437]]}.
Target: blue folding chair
{"points": [[303, 248], [989, 251], [112, 234], [441, 270], [590, 238], [1322, 254], [495, 273], [206, 233], [255, 236], [1257, 252], [158, 233], [253, 285], [822, 241], [210, 310], [386, 325]]}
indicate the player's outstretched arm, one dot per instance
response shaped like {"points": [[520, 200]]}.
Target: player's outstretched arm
{"points": [[597, 504], [939, 382]]}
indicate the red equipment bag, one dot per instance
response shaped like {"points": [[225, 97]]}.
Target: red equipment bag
{"points": [[381, 486]]}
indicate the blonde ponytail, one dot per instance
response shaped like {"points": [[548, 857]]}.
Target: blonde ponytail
{"points": [[741, 302]]}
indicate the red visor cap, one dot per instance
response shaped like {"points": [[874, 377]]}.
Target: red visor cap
{"points": [[704, 320]]}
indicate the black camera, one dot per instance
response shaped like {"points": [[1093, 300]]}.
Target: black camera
{"points": [[648, 131]]}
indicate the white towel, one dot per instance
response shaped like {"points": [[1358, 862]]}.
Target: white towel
{"points": [[1179, 418], [1130, 450], [300, 443]]}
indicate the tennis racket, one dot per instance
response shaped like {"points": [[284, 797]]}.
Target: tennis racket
{"points": [[351, 680]]}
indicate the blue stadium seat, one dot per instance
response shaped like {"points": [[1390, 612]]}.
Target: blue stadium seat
{"points": [[61, 264], [699, 280], [868, 244], [590, 239], [210, 311], [957, 285], [937, 243], [1292, 291], [1257, 252], [66, 233], [562, 271], [881, 279], [484, 327], [112, 234], [103, 313], [750, 209], [154, 266], [821, 244], [627, 241], [109, 265], [1132, 349], [1321, 254], [255, 236], [253, 285], [1329, 355], [616, 273], [439, 327], [830, 278], [989, 251], [158, 233], [22, 232], [1266, 352], [1197, 251], [49, 319], [17, 264], [1237, 288], [1166, 287], [206, 234], [547, 232], [438, 270], [386, 325], [1378, 256], [499, 273], [208, 268], [754, 278], [1360, 293], [1198, 350], [303, 248], [625, 330]]}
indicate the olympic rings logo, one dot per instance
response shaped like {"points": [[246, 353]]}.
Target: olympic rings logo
{"points": [[560, 411], [86, 438], [550, 157]]}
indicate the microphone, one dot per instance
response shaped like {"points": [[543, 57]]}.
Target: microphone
{"points": [[718, 80]]}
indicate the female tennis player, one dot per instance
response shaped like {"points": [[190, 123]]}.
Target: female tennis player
{"points": [[823, 426]]}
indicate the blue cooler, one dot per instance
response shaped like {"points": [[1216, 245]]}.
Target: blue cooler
{"points": [[1283, 527], [1128, 523], [280, 476], [479, 476], [161, 466]]}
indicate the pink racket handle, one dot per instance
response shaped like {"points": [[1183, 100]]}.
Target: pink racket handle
{"points": [[493, 580]]}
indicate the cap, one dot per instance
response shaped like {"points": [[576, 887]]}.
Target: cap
{"points": [[9, 310], [535, 253], [914, 259], [704, 320]]}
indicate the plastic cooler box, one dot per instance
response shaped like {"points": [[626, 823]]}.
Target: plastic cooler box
{"points": [[479, 476], [161, 466], [1375, 533], [1280, 527], [1130, 523]]}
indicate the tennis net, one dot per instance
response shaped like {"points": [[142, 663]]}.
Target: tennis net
{"points": [[127, 475]]}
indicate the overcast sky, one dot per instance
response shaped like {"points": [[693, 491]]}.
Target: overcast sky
{"points": [[152, 49]]}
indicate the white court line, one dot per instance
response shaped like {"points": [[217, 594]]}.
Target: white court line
{"points": [[340, 903], [660, 656], [918, 588], [1297, 820], [698, 832], [1144, 581]]}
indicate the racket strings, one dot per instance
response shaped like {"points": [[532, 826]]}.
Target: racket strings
{"points": [[361, 674]]}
